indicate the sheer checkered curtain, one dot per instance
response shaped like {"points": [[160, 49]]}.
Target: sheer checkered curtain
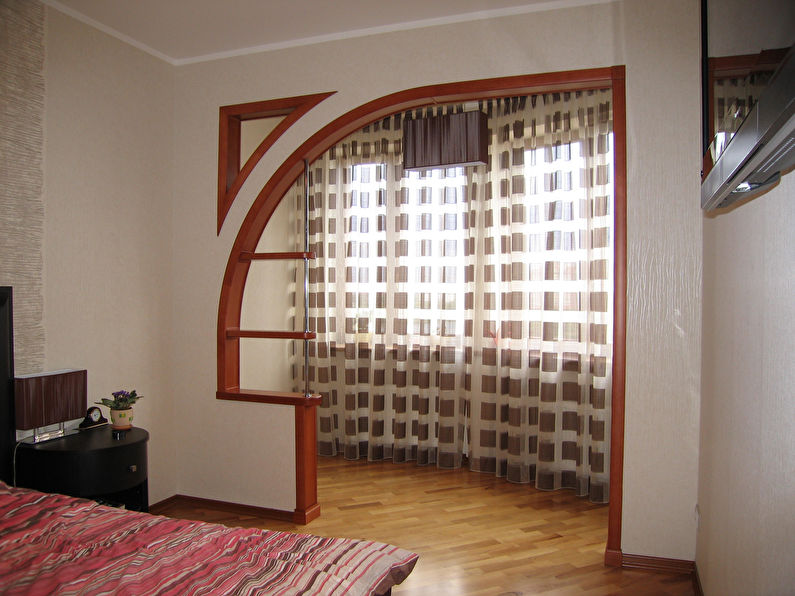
{"points": [[465, 314]]}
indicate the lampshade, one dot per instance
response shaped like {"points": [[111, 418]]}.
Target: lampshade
{"points": [[448, 140], [49, 398]]}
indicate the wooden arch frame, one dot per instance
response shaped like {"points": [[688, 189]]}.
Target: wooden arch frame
{"points": [[231, 175], [231, 299]]}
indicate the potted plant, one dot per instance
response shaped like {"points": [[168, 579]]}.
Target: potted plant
{"points": [[121, 410]]}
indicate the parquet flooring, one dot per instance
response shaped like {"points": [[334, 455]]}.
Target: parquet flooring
{"points": [[476, 535]]}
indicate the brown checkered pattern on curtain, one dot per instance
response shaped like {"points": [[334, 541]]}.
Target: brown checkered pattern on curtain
{"points": [[469, 312]]}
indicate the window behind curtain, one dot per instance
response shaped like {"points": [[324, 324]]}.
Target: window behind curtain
{"points": [[468, 311]]}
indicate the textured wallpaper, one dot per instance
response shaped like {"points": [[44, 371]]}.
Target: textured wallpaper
{"points": [[21, 177]]}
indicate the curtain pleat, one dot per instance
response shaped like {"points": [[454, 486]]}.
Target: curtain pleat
{"points": [[465, 314]]}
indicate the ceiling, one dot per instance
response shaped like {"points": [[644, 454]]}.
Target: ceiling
{"points": [[184, 31]]}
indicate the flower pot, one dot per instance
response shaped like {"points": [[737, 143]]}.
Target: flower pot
{"points": [[121, 419]]}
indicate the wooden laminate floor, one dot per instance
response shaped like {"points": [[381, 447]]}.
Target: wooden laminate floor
{"points": [[475, 534]]}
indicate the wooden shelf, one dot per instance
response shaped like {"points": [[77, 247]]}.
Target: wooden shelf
{"points": [[275, 256], [235, 332], [270, 397], [304, 404]]}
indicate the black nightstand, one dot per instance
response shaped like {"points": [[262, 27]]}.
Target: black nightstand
{"points": [[101, 464]]}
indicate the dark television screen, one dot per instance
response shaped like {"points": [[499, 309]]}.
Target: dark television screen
{"points": [[7, 432]]}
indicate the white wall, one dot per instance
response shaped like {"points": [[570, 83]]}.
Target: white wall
{"points": [[746, 471], [664, 277], [747, 474], [244, 452], [107, 256], [659, 43]]}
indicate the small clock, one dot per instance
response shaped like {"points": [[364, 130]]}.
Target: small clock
{"points": [[93, 418]]}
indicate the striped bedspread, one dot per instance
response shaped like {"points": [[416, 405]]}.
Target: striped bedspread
{"points": [[52, 544]]}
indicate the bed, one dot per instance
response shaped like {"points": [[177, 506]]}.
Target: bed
{"points": [[53, 544]]}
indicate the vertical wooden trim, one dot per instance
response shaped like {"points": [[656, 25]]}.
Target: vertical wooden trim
{"points": [[231, 175], [613, 550], [306, 505], [232, 165], [613, 558], [229, 310]]}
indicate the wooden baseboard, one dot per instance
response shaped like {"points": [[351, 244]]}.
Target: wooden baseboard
{"points": [[162, 507], [697, 582], [617, 558], [303, 517], [612, 557], [657, 564]]}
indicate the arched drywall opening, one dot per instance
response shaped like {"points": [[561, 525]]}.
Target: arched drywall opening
{"points": [[231, 299]]}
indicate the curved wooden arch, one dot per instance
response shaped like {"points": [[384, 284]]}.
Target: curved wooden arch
{"points": [[230, 175], [231, 299]]}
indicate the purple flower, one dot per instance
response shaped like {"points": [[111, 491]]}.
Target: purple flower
{"points": [[121, 399]]}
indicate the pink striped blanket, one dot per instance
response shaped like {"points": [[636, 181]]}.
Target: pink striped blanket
{"points": [[52, 544]]}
